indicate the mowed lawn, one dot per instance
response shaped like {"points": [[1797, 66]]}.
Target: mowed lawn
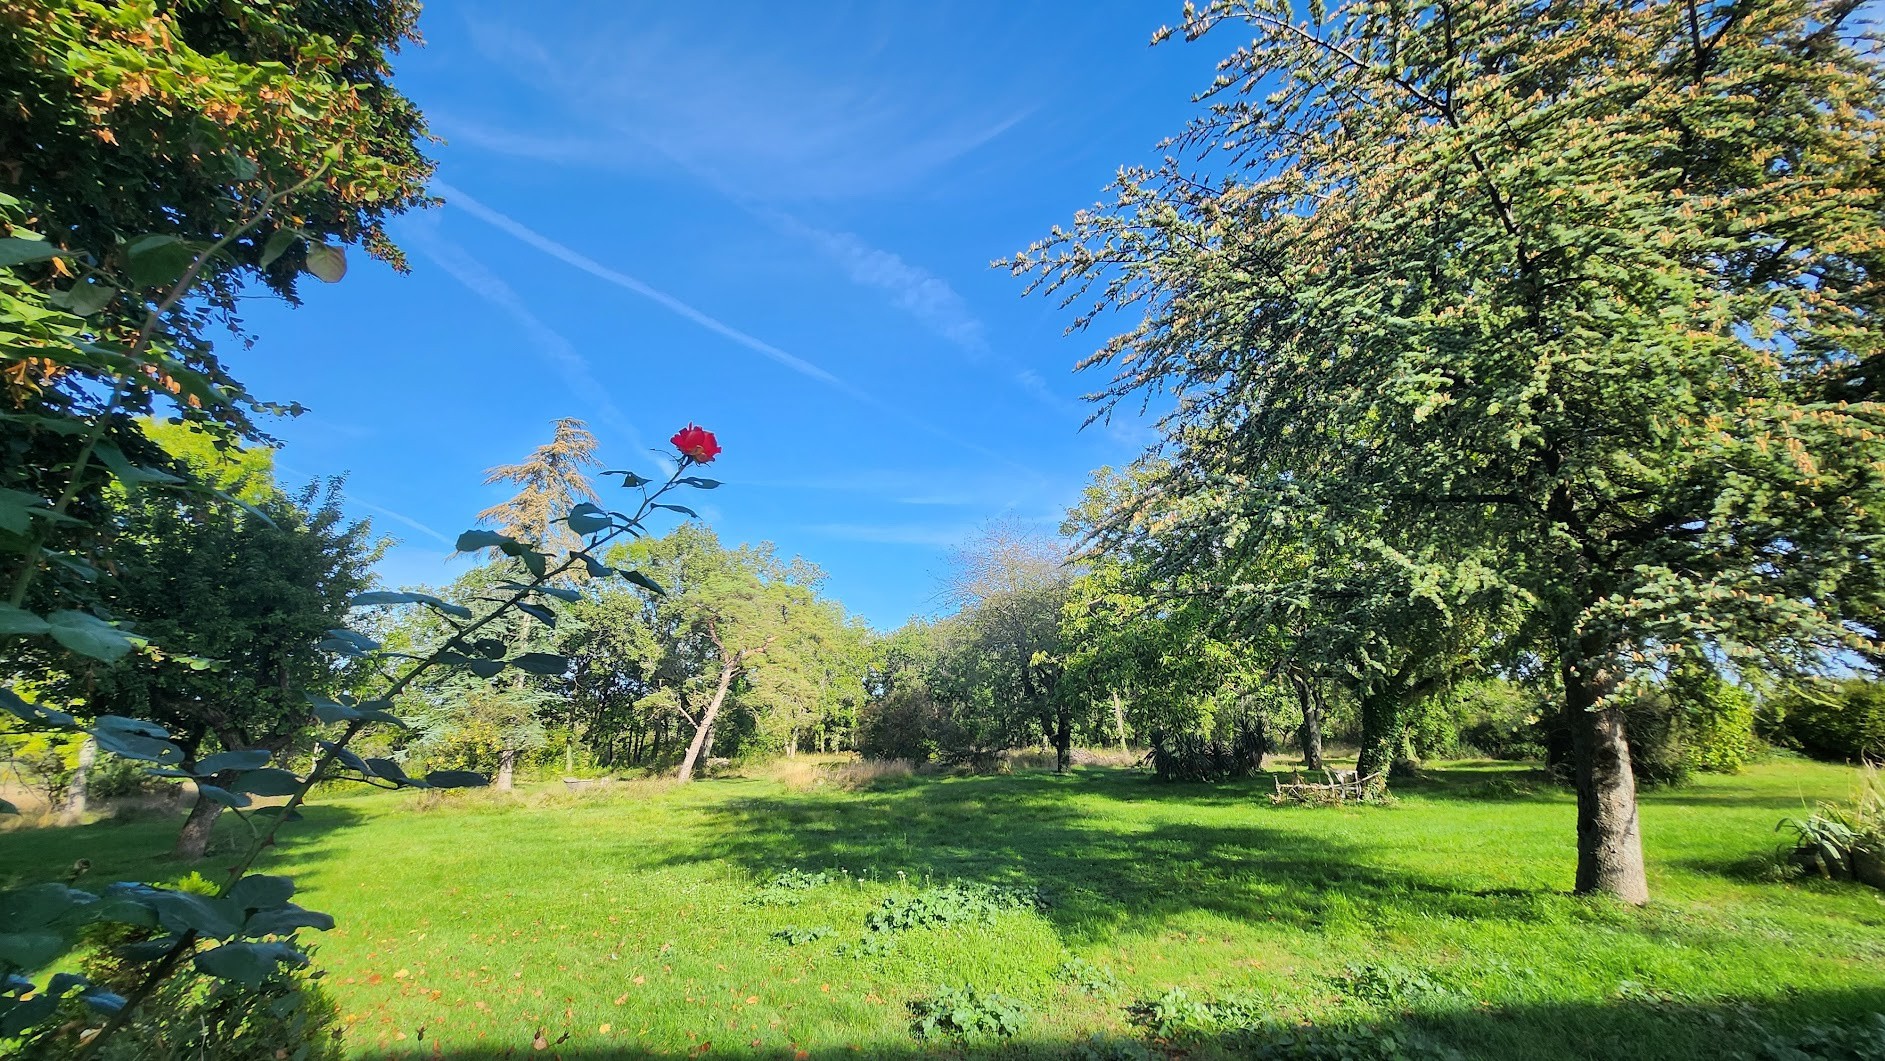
{"points": [[624, 923]]}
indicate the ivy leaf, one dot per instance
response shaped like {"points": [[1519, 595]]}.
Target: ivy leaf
{"points": [[88, 635]]}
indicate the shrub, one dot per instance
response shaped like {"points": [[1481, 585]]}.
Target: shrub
{"points": [[950, 904], [966, 1013], [1845, 840], [1199, 757], [1844, 722], [793, 935], [789, 888], [1095, 980], [290, 1017], [1693, 720]]}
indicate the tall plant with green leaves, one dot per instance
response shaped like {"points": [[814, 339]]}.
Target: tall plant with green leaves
{"points": [[1585, 294]]}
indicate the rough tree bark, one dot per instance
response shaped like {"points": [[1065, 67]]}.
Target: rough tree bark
{"points": [[1309, 734], [1119, 720], [1609, 840], [730, 666], [78, 796], [506, 769]]}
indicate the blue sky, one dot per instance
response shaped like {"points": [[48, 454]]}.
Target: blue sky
{"points": [[774, 220]]}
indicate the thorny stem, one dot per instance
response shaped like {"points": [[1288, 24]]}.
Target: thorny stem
{"points": [[186, 943]]}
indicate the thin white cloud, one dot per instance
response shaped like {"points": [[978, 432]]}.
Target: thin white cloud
{"points": [[464, 201], [571, 256], [688, 89], [912, 289], [402, 518], [577, 374], [894, 534]]}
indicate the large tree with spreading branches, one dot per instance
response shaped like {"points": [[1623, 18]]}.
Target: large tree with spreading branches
{"points": [[1584, 293]]}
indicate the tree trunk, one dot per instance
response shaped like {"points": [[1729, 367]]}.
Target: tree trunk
{"points": [[1378, 737], [1119, 720], [704, 731], [1609, 842], [78, 796], [506, 769], [1309, 734], [1063, 739], [193, 842]]}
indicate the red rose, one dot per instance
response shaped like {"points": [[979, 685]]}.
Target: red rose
{"points": [[696, 444]]}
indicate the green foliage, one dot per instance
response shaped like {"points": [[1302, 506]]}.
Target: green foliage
{"points": [[1842, 721], [1095, 980], [789, 888], [1853, 1041], [1164, 884], [793, 935], [966, 1013], [1201, 757], [1389, 987], [1663, 207], [954, 904], [1845, 839]]}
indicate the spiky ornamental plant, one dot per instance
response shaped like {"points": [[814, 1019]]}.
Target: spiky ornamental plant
{"points": [[1585, 294]]}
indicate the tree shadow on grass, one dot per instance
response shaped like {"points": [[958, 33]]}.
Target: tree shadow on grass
{"points": [[140, 849], [1101, 876], [1803, 1024]]}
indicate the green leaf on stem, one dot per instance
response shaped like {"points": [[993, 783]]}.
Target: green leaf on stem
{"points": [[545, 663], [473, 540], [249, 964], [268, 781], [88, 635], [244, 759], [19, 621], [456, 779], [588, 518], [16, 250], [644, 582], [327, 262], [376, 597]]}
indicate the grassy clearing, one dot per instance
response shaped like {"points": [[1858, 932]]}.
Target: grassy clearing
{"points": [[638, 920]]}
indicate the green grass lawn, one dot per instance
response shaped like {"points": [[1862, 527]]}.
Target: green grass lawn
{"points": [[626, 921]]}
